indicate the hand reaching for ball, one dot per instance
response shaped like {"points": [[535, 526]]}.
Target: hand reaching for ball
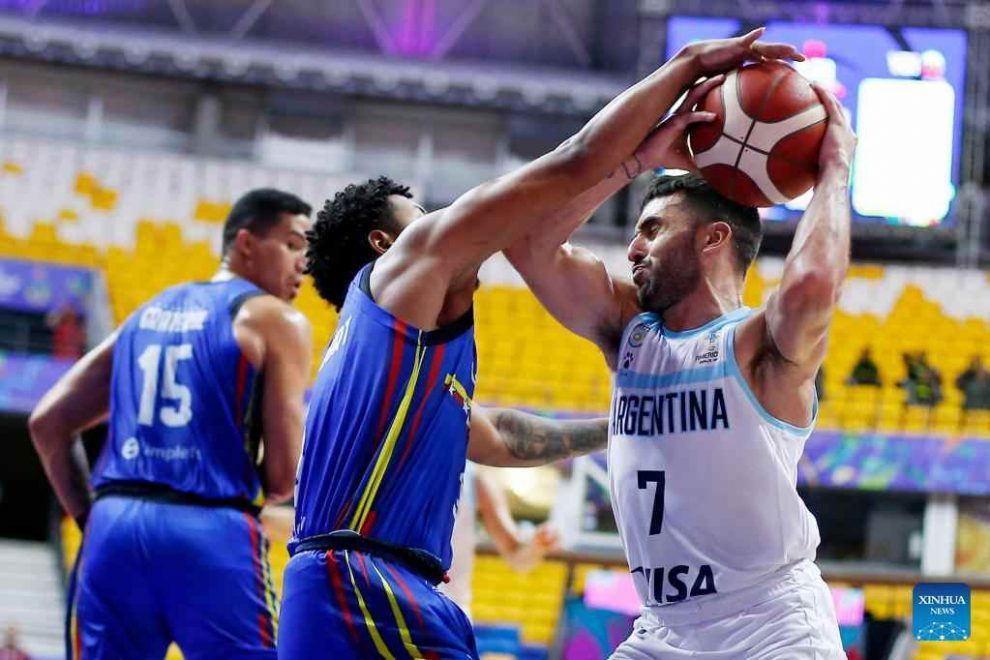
{"points": [[839, 143], [666, 146], [720, 55]]}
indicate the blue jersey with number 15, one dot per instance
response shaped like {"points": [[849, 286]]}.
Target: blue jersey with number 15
{"points": [[185, 401]]}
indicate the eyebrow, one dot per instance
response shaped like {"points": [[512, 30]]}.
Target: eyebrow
{"points": [[654, 219], [296, 232]]}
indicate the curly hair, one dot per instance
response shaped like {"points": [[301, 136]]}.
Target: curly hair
{"points": [[338, 240]]}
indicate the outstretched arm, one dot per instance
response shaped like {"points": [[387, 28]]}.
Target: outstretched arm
{"points": [[510, 438], [571, 282], [78, 401], [441, 254]]}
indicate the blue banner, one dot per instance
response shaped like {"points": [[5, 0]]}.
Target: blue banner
{"points": [[896, 462], [34, 286], [25, 378]]}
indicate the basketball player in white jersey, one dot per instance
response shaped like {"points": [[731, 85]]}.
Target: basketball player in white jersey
{"points": [[712, 404]]}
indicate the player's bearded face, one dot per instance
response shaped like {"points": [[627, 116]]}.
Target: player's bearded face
{"points": [[671, 272]]}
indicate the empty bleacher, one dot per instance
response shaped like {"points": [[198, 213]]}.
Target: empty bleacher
{"points": [[150, 220]]}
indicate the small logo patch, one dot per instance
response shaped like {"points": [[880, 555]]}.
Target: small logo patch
{"points": [[130, 449], [709, 353], [941, 612], [637, 335]]}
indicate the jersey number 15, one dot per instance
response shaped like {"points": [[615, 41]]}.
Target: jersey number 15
{"points": [[178, 409]]}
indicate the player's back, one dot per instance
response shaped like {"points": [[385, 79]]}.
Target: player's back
{"points": [[387, 428], [185, 402]]}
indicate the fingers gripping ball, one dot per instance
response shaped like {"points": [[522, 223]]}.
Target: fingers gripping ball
{"points": [[762, 147]]}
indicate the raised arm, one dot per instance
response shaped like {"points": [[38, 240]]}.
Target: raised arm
{"points": [[78, 401], [571, 282], [441, 254], [503, 437], [783, 346]]}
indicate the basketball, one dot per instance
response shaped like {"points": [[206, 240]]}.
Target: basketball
{"points": [[762, 147]]}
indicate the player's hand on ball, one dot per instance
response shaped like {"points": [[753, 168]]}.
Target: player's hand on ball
{"points": [[720, 55], [667, 145], [839, 142]]}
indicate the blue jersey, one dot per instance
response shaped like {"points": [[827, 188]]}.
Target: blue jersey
{"points": [[185, 402], [387, 429]]}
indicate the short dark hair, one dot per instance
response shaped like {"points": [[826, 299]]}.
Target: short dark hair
{"points": [[258, 211], [747, 231], [338, 240]]}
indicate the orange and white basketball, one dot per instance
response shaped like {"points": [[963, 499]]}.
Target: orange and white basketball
{"points": [[762, 147]]}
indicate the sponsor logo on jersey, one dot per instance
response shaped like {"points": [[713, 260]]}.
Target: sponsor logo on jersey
{"points": [[671, 585], [670, 412], [130, 449], [709, 353]]}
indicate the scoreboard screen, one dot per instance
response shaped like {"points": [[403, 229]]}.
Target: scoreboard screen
{"points": [[903, 89]]}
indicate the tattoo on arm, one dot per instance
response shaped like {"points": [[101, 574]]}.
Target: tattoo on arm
{"points": [[630, 170], [529, 437]]}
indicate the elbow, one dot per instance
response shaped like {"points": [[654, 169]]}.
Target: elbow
{"points": [[41, 424]]}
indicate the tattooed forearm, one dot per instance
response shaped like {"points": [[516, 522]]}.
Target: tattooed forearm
{"points": [[529, 437]]}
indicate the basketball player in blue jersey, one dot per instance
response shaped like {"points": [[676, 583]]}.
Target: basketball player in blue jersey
{"points": [[203, 389], [711, 406], [391, 417]]}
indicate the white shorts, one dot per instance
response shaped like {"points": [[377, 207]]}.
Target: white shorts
{"points": [[792, 617]]}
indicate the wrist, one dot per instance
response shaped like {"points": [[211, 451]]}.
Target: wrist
{"points": [[687, 62]]}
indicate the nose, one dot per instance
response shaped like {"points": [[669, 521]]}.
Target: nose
{"points": [[636, 249], [301, 264]]}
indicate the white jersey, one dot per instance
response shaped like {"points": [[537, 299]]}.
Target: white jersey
{"points": [[703, 478]]}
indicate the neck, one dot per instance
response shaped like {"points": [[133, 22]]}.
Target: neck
{"points": [[708, 301], [229, 270]]}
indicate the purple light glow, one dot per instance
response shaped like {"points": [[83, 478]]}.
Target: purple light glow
{"points": [[417, 37]]}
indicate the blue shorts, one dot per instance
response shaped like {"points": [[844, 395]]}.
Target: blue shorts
{"points": [[150, 573], [348, 604]]}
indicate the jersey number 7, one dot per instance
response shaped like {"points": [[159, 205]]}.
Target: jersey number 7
{"points": [[645, 477]]}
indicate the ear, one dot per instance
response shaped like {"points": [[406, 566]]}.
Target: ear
{"points": [[243, 243], [716, 235], [380, 241]]}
